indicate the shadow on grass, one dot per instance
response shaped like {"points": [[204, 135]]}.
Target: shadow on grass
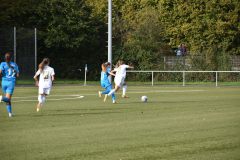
{"points": [[87, 109], [42, 114]]}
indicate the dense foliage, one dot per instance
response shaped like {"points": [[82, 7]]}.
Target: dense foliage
{"points": [[73, 32]]}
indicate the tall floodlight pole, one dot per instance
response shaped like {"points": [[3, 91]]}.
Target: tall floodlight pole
{"points": [[35, 49], [110, 31], [15, 45], [110, 34]]}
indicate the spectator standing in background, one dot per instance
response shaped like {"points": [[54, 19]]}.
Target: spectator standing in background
{"points": [[179, 52], [183, 49]]}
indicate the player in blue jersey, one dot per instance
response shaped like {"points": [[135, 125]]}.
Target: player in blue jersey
{"points": [[108, 64], [105, 83], [9, 71]]}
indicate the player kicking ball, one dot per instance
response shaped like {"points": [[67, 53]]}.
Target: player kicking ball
{"points": [[9, 71], [105, 83], [46, 77], [120, 76]]}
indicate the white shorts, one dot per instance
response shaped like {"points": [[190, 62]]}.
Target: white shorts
{"points": [[119, 81], [44, 90]]}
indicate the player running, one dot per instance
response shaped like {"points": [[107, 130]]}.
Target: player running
{"points": [[105, 83], [46, 77], [120, 77], [9, 71]]}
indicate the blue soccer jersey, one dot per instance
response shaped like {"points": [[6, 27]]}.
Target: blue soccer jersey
{"points": [[9, 71], [108, 70], [104, 80]]}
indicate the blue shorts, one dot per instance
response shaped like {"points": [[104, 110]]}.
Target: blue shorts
{"points": [[8, 87], [106, 85]]}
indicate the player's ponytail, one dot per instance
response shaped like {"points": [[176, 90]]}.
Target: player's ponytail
{"points": [[44, 63], [104, 67], [8, 58]]}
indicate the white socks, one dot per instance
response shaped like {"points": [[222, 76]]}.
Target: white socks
{"points": [[41, 99], [124, 90], [111, 92]]}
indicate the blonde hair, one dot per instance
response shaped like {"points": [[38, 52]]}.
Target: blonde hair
{"points": [[119, 63], [44, 63]]}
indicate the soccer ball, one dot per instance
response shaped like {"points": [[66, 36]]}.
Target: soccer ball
{"points": [[144, 98]]}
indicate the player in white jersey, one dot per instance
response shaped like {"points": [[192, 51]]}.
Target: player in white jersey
{"points": [[46, 77], [120, 77]]}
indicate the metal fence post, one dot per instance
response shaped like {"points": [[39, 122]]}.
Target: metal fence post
{"points": [[85, 75], [183, 78], [216, 79], [152, 79], [164, 62], [35, 42]]}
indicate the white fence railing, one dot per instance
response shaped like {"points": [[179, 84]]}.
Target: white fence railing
{"points": [[184, 74]]}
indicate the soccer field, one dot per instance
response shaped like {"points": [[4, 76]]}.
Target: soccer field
{"points": [[176, 123]]}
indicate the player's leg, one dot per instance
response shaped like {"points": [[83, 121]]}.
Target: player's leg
{"points": [[113, 98], [107, 90], [8, 97], [118, 82], [100, 93], [43, 92], [124, 89], [113, 95], [117, 87], [40, 93], [4, 89], [8, 88], [40, 102]]}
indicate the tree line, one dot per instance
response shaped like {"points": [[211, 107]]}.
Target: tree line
{"points": [[73, 32]]}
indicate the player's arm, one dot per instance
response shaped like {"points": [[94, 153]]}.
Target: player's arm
{"points": [[1, 69], [112, 73], [17, 70], [36, 78], [130, 66], [53, 75]]}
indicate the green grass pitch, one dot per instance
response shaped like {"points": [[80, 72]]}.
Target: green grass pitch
{"points": [[177, 123]]}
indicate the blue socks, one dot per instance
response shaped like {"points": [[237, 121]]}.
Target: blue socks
{"points": [[9, 108], [113, 97]]}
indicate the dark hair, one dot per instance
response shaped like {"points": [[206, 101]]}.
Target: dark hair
{"points": [[44, 63], [108, 63], [8, 57]]}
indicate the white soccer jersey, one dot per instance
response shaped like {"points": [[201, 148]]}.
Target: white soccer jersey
{"points": [[120, 74], [45, 79], [121, 70]]}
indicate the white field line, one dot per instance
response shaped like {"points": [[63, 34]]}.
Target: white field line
{"points": [[155, 91], [71, 97], [56, 99], [167, 91]]}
